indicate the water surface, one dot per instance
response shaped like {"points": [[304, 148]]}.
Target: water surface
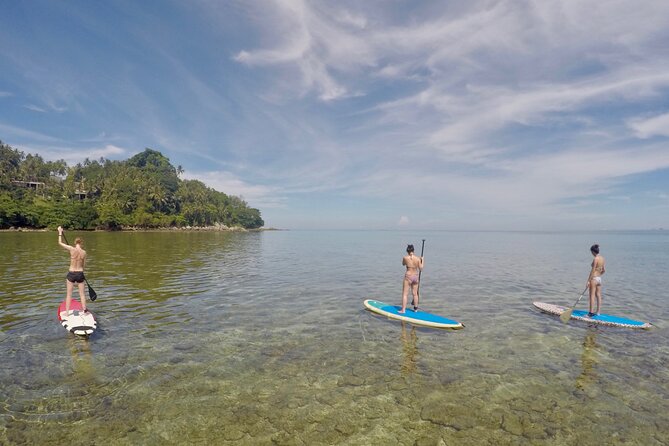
{"points": [[261, 338]]}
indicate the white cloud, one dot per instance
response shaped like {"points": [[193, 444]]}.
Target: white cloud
{"points": [[404, 221], [73, 155], [230, 184], [350, 18], [107, 151], [655, 126]]}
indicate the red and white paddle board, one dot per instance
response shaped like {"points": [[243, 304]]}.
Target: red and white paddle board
{"points": [[78, 322]]}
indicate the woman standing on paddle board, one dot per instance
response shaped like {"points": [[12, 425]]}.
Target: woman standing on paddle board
{"points": [[595, 280], [76, 272], [414, 265]]}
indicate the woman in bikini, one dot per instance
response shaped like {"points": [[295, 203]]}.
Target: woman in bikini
{"points": [[76, 272], [414, 265], [595, 280]]}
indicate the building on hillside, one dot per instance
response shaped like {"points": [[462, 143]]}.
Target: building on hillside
{"points": [[80, 190], [35, 185]]}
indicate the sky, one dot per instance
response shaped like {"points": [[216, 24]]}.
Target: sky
{"points": [[481, 115]]}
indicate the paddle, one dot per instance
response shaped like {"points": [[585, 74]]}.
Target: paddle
{"points": [[566, 315], [91, 292], [422, 249]]}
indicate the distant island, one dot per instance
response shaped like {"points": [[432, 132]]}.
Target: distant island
{"points": [[143, 192]]}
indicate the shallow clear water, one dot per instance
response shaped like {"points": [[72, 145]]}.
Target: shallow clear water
{"points": [[261, 338]]}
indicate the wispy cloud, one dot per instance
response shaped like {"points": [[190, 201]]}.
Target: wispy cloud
{"points": [[486, 70], [35, 108], [542, 181], [315, 41], [20, 133]]}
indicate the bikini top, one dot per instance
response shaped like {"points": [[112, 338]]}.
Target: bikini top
{"points": [[598, 268]]}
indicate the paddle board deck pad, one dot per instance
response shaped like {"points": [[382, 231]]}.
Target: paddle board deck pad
{"points": [[78, 322], [602, 319], [414, 317]]}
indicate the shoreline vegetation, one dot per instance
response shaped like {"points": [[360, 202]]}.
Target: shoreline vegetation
{"points": [[144, 192]]}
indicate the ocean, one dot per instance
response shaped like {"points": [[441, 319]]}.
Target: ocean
{"points": [[261, 338]]}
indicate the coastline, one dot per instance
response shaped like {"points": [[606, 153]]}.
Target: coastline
{"points": [[221, 228]]}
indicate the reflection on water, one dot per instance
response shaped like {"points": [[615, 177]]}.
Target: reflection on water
{"points": [[261, 338], [588, 359], [410, 349], [83, 369]]}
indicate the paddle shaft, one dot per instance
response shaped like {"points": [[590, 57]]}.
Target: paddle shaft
{"points": [[564, 317], [91, 292], [422, 249], [579, 298]]}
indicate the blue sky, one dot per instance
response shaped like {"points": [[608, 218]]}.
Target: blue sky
{"points": [[375, 114]]}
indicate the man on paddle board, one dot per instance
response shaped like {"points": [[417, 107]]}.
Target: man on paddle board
{"points": [[595, 280], [414, 265], [76, 272]]}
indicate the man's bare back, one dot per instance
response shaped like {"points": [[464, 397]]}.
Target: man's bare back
{"points": [[77, 258]]}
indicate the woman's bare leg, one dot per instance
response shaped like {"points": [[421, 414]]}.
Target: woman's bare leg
{"points": [[68, 296], [414, 289], [593, 290], [405, 293], [82, 295]]}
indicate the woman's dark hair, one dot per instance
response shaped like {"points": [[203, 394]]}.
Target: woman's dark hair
{"points": [[594, 249], [410, 248]]}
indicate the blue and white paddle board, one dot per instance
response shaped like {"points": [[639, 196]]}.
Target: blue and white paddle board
{"points": [[602, 319], [415, 317]]}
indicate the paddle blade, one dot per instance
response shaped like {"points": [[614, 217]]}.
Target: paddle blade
{"points": [[566, 315], [91, 293]]}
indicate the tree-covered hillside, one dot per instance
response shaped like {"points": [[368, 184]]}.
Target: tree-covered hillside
{"points": [[144, 191]]}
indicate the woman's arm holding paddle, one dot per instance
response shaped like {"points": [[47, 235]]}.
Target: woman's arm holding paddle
{"points": [[60, 241]]}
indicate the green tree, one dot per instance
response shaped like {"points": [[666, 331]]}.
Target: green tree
{"points": [[10, 211], [144, 191], [10, 163]]}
